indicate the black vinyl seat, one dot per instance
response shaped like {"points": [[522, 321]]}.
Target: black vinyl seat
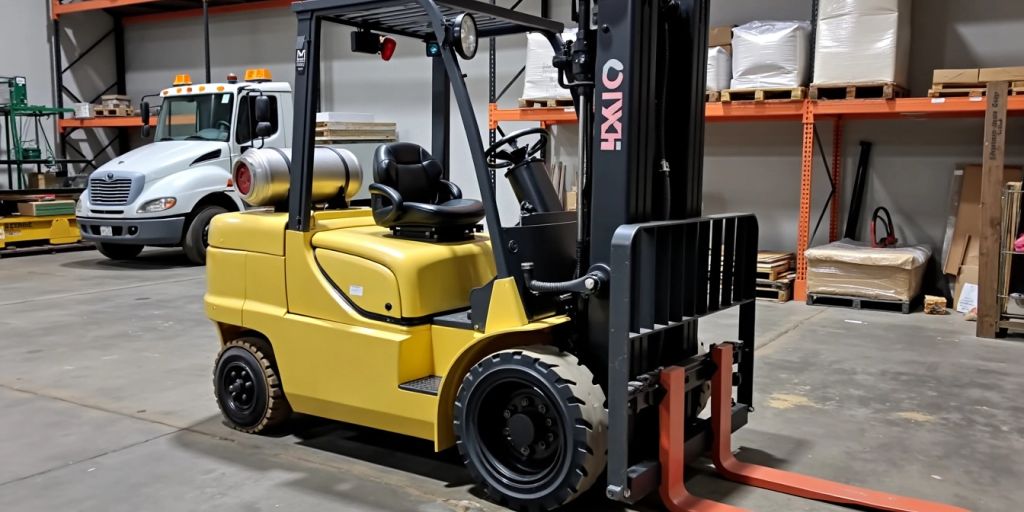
{"points": [[410, 197]]}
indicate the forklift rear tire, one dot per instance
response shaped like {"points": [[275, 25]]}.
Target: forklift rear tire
{"points": [[198, 233], [531, 426], [119, 252], [247, 387]]}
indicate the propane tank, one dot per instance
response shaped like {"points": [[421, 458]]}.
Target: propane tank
{"points": [[262, 176]]}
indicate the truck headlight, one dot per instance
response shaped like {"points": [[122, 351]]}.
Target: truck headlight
{"points": [[158, 205]]}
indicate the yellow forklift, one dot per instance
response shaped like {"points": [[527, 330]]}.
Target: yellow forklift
{"points": [[557, 351]]}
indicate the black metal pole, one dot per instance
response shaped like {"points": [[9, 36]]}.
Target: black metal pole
{"points": [[206, 37], [440, 131]]}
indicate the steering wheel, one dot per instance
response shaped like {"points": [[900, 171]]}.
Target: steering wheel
{"points": [[224, 125], [503, 158]]}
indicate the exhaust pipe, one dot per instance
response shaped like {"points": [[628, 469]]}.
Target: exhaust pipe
{"points": [[263, 176]]}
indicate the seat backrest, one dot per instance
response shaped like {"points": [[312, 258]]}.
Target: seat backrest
{"points": [[409, 169]]}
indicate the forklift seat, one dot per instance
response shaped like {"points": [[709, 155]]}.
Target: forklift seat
{"points": [[409, 195]]}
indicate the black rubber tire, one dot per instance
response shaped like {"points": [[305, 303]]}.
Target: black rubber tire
{"points": [[119, 252], [268, 407], [195, 240], [579, 404]]}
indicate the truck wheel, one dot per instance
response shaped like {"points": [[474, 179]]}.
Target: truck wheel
{"points": [[531, 426], [247, 387], [119, 251], [197, 236]]}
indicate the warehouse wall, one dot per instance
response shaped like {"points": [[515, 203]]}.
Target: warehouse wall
{"points": [[756, 166]]}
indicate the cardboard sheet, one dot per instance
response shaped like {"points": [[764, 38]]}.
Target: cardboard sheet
{"points": [[968, 215]]}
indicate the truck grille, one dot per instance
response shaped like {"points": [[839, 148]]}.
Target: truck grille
{"points": [[115, 192]]}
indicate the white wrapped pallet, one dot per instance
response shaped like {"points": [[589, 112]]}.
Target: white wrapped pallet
{"points": [[719, 69], [541, 77], [769, 54], [862, 41]]}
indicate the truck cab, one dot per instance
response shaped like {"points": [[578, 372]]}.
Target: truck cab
{"points": [[166, 193]]}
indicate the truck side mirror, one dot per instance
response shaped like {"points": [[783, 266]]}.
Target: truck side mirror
{"points": [[144, 111], [263, 126]]}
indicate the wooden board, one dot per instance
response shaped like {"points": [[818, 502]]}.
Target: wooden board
{"points": [[858, 91], [968, 90], [713, 96], [544, 102], [992, 184], [358, 126], [774, 257], [774, 295], [343, 137], [765, 94]]}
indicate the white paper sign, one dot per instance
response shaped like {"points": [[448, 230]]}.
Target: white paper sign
{"points": [[968, 298]]}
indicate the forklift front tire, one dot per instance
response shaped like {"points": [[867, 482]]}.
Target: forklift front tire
{"points": [[247, 387], [531, 426]]}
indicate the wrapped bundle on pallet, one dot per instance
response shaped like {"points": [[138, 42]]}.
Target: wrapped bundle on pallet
{"points": [[855, 269], [862, 41], [771, 54], [541, 76], [719, 69]]}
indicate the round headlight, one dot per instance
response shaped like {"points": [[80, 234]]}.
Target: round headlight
{"points": [[464, 35]]}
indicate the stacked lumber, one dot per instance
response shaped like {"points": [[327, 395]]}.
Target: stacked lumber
{"points": [[340, 132], [776, 272], [973, 83]]}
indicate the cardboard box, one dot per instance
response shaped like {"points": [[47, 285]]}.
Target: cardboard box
{"points": [[956, 76], [999, 74], [968, 214], [43, 180], [720, 36]]}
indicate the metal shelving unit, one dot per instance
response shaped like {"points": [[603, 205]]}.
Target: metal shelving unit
{"points": [[123, 12]]}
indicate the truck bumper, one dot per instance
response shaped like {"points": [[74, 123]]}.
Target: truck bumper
{"points": [[165, 231]]}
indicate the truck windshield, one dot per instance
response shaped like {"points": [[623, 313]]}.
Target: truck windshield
{"points": [[198, 117]]}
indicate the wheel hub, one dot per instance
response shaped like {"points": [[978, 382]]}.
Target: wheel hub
{"points": [[238, 382], [530, 426]]}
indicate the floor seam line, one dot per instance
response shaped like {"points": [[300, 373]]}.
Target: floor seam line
{"points": [[87, 459], [797, 325], [102, 290]]}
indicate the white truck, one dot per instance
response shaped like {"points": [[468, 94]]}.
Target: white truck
{"points": [[165, 193]]}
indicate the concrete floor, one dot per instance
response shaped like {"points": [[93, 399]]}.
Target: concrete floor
{"points": [[107, 406]]}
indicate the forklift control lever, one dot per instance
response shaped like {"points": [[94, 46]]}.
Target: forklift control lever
{"points": [[588, 284]]}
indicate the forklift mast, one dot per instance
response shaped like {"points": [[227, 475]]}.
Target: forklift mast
{"points": [[640, 99]]}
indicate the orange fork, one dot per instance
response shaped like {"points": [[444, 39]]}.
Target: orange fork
{"points": [[672, 455]]}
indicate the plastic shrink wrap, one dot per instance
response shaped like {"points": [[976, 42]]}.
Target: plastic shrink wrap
{"points": [[770, 54], [861, 41], [541, 77], [719, 69], [855, 269]]}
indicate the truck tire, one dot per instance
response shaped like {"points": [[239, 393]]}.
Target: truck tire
{"points": [[531, 427], [247, 387], [197, 234], [119, 252]]}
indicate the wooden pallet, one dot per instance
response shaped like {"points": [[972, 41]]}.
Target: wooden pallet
{"points": [[124, 111], [713, 96], [343, 137], [815, 299], [858, 91], [765, 94], [977, 90], [544, 102], [774, 294]]}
